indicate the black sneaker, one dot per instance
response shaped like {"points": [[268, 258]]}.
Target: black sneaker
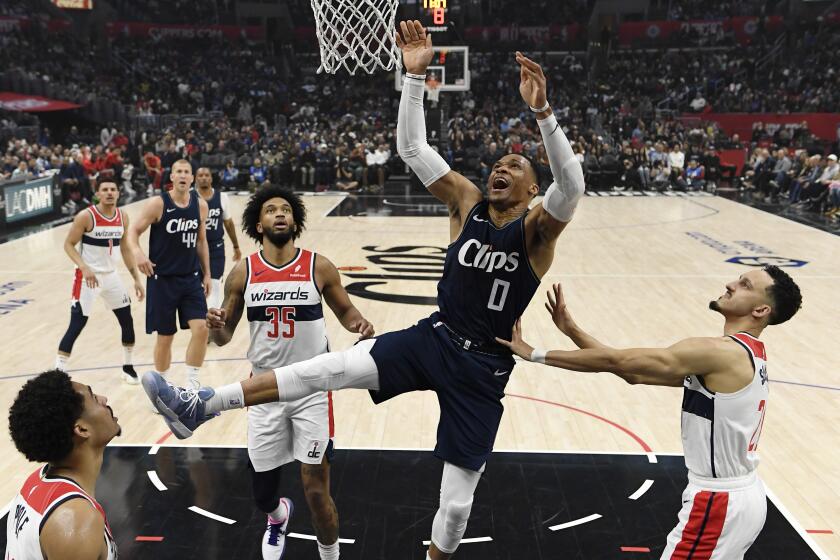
{"points": [[129, 375]]}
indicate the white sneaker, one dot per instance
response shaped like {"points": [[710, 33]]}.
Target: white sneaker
{"points": [[274, 538]]}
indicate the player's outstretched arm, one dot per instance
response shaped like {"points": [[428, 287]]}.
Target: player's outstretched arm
{"points": [[647, 366], [81, 223], [130, 264], [329, 281], [450, 187], [222, 322], [150, 214], [561, 198], [74, 531]]}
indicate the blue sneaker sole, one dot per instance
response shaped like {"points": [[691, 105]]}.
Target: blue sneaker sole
{"points": [[176, 427]]}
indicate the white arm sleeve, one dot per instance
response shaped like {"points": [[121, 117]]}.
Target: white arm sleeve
{"points": [[562, 196], [411, 134]]}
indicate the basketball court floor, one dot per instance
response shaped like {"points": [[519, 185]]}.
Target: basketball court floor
{"points": [[587, 466]]}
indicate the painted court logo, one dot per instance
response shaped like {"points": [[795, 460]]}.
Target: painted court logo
{"points": [[767, 260]]}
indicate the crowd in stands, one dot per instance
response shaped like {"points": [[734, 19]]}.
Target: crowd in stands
{"points": [[175, 11]]}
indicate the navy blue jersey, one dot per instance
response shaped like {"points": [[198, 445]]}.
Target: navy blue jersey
{"points": [[487, 279], [173, 240], [214, 218]]}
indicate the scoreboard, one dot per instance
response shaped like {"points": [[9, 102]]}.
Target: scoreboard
{"points": [[437, 9]]}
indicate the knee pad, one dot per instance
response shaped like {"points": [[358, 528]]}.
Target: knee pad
{"points": [[126, 324], [450, 524], [77, 323]]}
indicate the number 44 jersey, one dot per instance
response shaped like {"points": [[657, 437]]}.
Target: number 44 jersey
{"points": [[487, 279]]}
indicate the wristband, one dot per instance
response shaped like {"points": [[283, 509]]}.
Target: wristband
{"points": [[416, 76], [544, 108], [538, 355]]}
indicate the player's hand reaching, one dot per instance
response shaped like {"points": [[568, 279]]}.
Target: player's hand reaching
{"points": [[416, 46], [144, 265], [532, 86], [364, 328], [216, 318], [517, 345], [556, 306], [139, 291], [89, 277]]}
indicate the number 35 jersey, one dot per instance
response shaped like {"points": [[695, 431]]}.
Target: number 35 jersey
{"points": [[487, 278], [284, 311]]}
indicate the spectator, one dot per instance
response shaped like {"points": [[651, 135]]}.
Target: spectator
{"points": [[258, 175], [229, 177]]}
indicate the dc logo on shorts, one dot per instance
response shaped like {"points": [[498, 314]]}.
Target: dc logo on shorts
{"points": [[767, 260], [315, 453]]}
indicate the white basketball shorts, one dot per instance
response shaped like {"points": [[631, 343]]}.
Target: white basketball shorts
{"points": [[111, 288], [719, 519], [281, 432]]}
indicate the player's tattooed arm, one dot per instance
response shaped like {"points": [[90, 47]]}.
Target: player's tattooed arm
{"points": [[222, 322], [328, 281]]}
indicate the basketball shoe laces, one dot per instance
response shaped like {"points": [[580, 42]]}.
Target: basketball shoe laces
{"points": [[189, 396], [274, 532]]}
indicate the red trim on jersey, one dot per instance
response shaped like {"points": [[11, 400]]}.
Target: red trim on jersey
{"points": [[41, 493], [704, 527], [299, 270], [77, 284], [99, 219], [755, 345], [331, 418]]}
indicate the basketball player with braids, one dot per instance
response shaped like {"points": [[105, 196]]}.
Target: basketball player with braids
{"points": [[55, 516], [500, 248], [281, 288], [98, 232], [725, 391]]}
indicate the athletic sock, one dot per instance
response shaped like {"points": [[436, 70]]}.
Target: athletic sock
{"points": [[192, 376], [279, 515], [226, 398], [127, 350], [328, 551], [61, 362]]}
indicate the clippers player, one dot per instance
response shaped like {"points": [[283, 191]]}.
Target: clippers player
{"points": [[500, 249], [725, 392], [98, 232], [281, 289], [217, 215], [178, 268], [55, 516]]}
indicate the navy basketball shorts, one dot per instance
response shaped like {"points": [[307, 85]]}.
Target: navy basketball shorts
{"points": [[469, 386], [166, 295], [217, 259]]}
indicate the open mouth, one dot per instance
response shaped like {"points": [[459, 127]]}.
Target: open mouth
{"points": [[500, 183]]}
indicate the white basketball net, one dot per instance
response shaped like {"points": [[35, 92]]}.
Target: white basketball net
{"points": [[356, 34]]}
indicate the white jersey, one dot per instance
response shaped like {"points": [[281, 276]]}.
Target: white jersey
{"points": [[720, 431], [99, 247], [38, 498], [284, 311]]}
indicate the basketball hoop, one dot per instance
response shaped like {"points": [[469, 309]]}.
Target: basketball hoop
{"points": [[356, 34]]}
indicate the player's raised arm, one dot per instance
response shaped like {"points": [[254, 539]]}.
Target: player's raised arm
{"points": [[150, 214], [450, 187], [561, 198]]}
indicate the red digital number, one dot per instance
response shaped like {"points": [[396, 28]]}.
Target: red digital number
{"points": [[279, 315], [439, 15]]}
